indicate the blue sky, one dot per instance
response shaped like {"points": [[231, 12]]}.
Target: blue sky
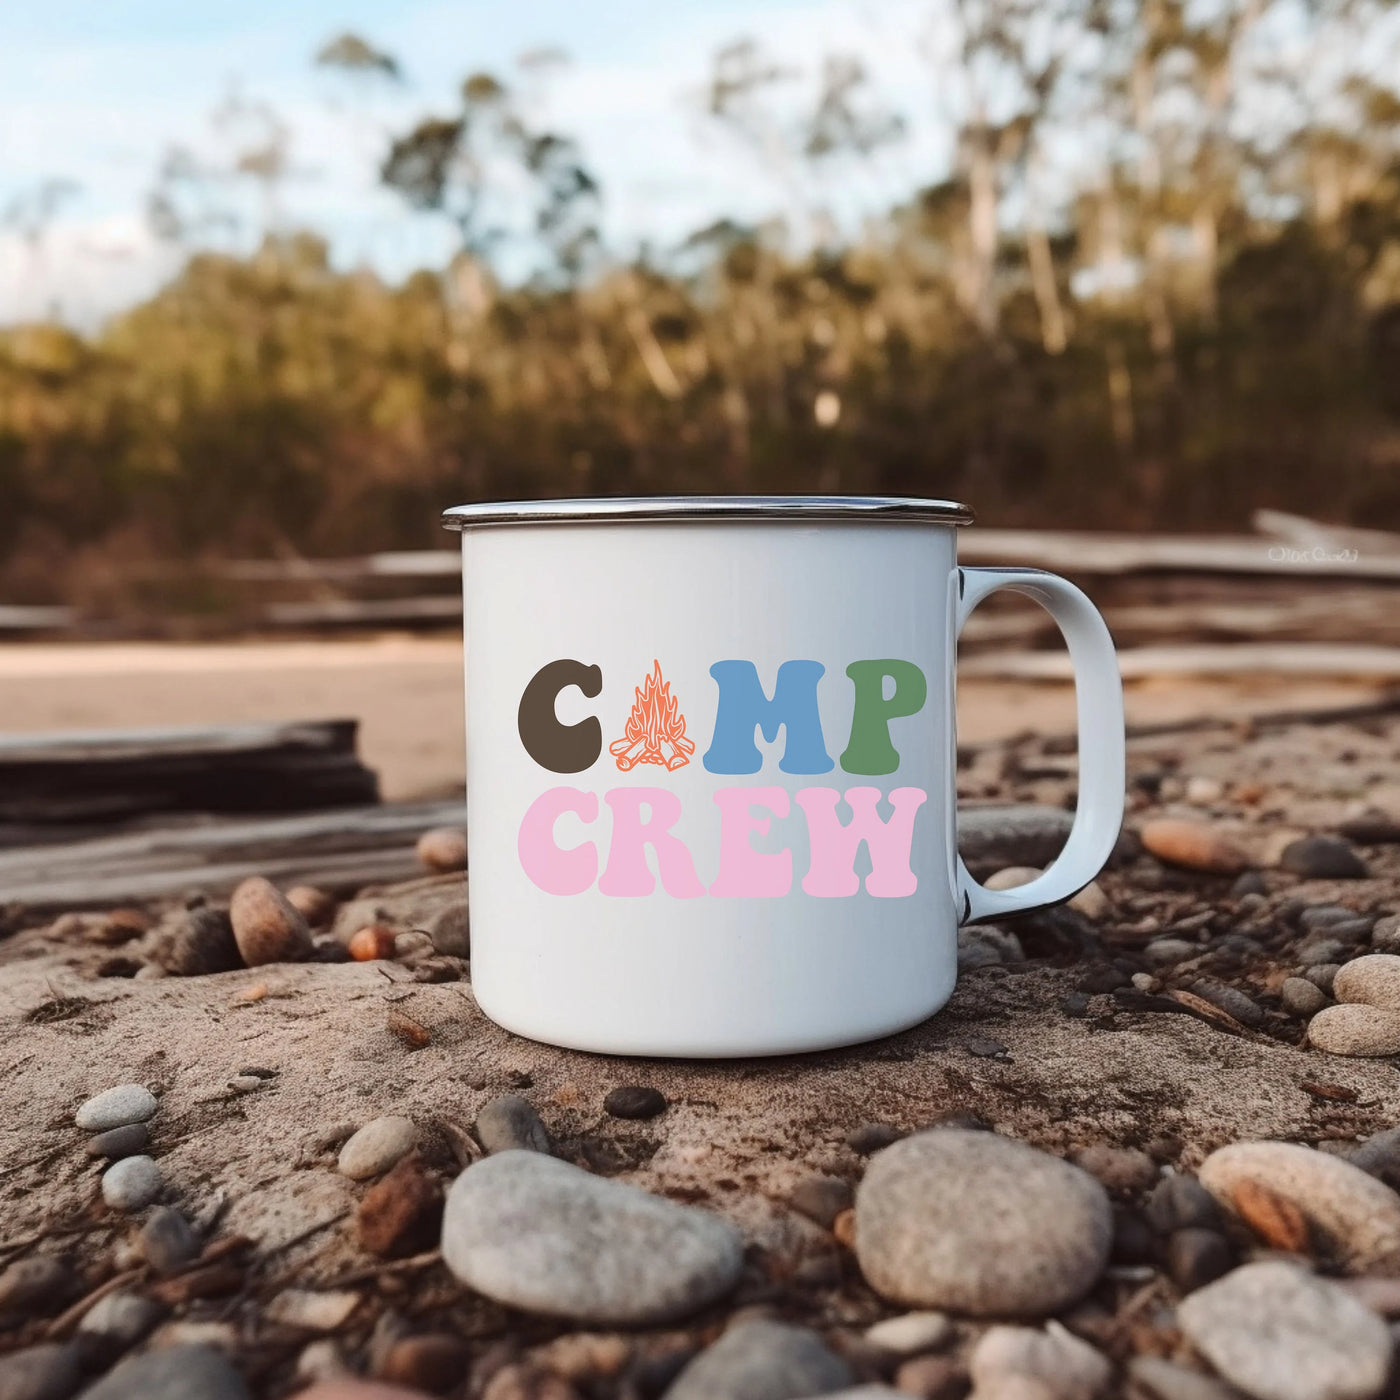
{"points": [[96, 93]]}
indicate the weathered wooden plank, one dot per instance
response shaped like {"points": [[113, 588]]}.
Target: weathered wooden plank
{"points": [[1234, 658], [366, 612]]}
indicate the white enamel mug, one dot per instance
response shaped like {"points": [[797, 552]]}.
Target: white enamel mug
{"points": [[711, 798]]}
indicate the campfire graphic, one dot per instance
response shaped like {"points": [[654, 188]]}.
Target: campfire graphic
{"points": [[655, 730]]}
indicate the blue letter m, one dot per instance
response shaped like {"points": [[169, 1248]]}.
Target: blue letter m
{"points": [[743, 707]]}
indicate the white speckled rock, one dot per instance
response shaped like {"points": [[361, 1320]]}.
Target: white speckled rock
{"points": [[1356, 1217], [536, 1233], [762, 1360], [912, 1333], [115, 1108], [1351, 1028], [131, 1184], [1070, 1369], [125, 1317], [980, 1224], [376, 1147], [1280, 1333], [1373, 979]]}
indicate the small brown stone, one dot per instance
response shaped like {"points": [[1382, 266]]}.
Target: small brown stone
{"points": [[844, 1228], [34, 1283], [434, 1362], [1193, 846], [315, 905], [1274, 1218], [372, 943], [933, 1378], [444, 848], [821, 1198], [267, 928], [519, 1381], [121, 926], [400, 1214], [1123, 1169]]}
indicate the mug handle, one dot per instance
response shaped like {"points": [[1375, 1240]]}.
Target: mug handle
{"points": [[1098, 691]]}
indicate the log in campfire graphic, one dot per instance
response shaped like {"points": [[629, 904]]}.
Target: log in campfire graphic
{"points": [[655, 731]]}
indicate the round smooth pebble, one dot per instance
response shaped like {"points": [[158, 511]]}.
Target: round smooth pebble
{"points": [[175, 1373], [267, 928], [1356, 1216], [125, 1141], [510, 1123], [1193, 846], [376, 1147], [1163, 951], [373, 943], [52, 1371], [634, 1101], [1373, 979], [1157, 1379], [1180, 1202], [432, 1361], [1323, 975], [1069, 1369], [131, 1184], [980, 1224], [400, 1214], [1323, 858], [33, 1282], [1198, 1257], [1125, 1169], [1385, 934], [198, 943], [443, 849], [116, 1108], [1280, 1333], [762, 1360], [1301, 997], [1091, 901], [125, 1317], [316, 906], [450, 930], [911, 1334], [821, 1198], [1350, 1028], [1379, 1156], [166, 1241], [1012, 877], [536, 1233], [347, 1389]]}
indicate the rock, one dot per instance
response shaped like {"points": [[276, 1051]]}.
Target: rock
{"points": [[1124, 1169], [30, 1284], [1319, 916], [1197, 1257], [444, 848], [124, 1317], [634, 1101], [316, 906], [1201, 790], [1193, 845], [510, 1123], [911, 1333], [323, 1359], [125, 1141], [1279, 1333], [373, 943], [1323, 976], [1165, 1380], [536, 1233], [267, 928], [1373, 980], [1381, 1295], [980, 1224], [401, 1214], [1164, 952], [1092, 902], [1181, 1203], [311, 1310], [434, 1361], [1301, 997], [347, 1389], [1012, 876], [376, 1147], [821, 1198], [871, 1137], [132, 1183], [1012, 835], [1351, 1216], [166, 1241], [116, 1108], [247, 1083], [197, 943], [450, 930], [1231, 1001], [1323, 858], [761, 1360], [1385, 934], [987, 946], [179, 1373], [1250, 883], [932, 1378], [1318, 952], [1354, 1029], [1070, 1369], [47, 1372], [1379, 1156]]}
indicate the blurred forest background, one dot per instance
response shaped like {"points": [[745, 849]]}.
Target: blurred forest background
{"points": [[1159, 287]]}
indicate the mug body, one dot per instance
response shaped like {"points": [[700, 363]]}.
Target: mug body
{"points": [[711, 780]]}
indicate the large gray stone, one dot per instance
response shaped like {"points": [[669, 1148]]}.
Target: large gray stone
{"points": [[46, 1372], [762, 1360], [980, 1224], [1012, 835], [1279, 1333], [175, 1373], [536, 1233], [115, 1108]]}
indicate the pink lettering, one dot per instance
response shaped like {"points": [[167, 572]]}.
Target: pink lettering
{"points": [[834, 845], [557, 871], [627, 872], [745, 873]]}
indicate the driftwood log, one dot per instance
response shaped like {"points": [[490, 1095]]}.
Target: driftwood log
{"points": [[107, 776]]}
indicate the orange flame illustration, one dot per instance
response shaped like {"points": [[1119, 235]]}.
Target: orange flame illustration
{"points": [[655, 731]]}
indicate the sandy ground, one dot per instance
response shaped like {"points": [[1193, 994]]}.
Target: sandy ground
{"points": [[407, 693]]}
